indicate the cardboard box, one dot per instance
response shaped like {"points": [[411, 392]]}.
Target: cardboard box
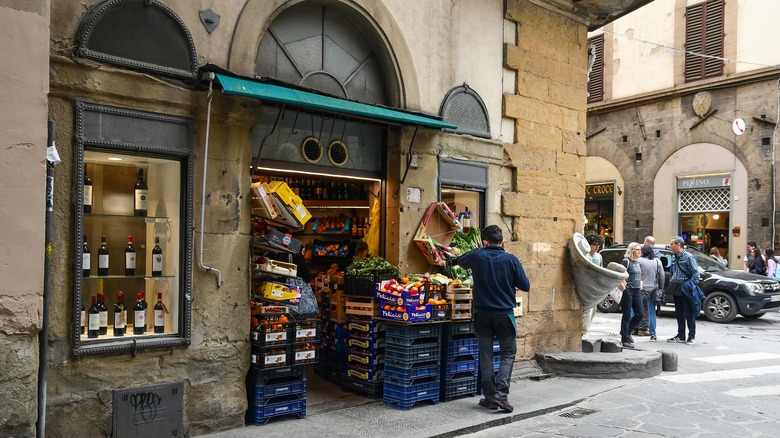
{"points": [[437, 227], [293, 212], [264, 201], [282, 292], [281, 268], [278, 240]]}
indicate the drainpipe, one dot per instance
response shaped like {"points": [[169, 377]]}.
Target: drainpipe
{"points": [[52, 158], [210, 77], [774, 177]]}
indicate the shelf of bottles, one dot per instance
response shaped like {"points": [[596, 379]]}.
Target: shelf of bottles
{"points": [[130, 246]]}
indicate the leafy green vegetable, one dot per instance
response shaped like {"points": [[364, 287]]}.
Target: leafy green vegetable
{"points": [[370, 264]]}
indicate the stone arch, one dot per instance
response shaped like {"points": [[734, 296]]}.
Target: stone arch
{"points": [[688, 161], [601, 169], [404, 88], [144, 35]]}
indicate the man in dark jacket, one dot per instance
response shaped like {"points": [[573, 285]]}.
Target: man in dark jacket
{"points": [[684, 268], [496, 274]]}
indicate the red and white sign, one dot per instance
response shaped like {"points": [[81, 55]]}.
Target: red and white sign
{"points": [[738, 126]]}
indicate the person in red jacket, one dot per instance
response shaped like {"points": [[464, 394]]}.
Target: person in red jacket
{"points": [[497, 274]]}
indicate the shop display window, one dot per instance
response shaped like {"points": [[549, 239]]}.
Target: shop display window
{"points": [[132, 276]]}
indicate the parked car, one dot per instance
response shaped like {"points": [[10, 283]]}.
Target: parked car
{"points": [[728, 292]]}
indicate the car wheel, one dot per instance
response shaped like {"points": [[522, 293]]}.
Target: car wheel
{"points": [[719, 307], [609, 305], [756, 316]]}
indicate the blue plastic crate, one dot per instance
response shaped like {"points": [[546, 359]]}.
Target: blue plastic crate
{"points": [[405, 356], [459, 387], [371, 345], [262, 414], [496, 347], [461, 348], [356, 324], [464, 366], [304, 331], [365, 374], [496, 363], [426, 369], [260, 376], [372, 361], [404, 397], [411, 333], [280, 386]]}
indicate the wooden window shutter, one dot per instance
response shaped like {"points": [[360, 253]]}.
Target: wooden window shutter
{"points": [[704, 35], [596, 76]]}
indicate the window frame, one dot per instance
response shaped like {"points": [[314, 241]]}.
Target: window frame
{"points": [[704, 35]]}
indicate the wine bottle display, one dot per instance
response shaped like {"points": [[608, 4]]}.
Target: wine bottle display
{"points": [[87, 192], [103, 257], [159, 315], [157, 259], [139, 315], [86, 259], [120, 315], [141, 195], [93, 330], [130, 257], [103, 315], [83, 318]]}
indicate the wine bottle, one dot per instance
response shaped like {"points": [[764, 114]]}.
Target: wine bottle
{"points": [[141, 195], [120, 315], [130, 257], [139, 315], [103, 257], [87, 191], [157, 258], [83, 318], [94, 319], [86, 259], [101, 301], [159, 315]]}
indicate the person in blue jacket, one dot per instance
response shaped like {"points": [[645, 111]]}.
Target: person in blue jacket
{"points": [[497, 274], [684, 268]]}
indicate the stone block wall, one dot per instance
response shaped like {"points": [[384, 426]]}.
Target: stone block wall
{"points": [[548, 157]]}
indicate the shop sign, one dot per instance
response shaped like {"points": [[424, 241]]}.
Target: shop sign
{"points": [[599, 190], [700, 182]]}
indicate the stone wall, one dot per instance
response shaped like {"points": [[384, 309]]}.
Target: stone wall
{"points": [[548, 157], [24, 30]]}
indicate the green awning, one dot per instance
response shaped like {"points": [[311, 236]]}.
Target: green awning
{"points": [[291, 96]]}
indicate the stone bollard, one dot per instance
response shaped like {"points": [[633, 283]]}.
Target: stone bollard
{"points": [[668, 361]]}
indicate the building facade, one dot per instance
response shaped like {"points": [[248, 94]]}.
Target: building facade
{"points": [[145, 82], [682, 125]]}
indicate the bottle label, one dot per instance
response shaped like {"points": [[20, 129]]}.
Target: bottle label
{"points": [[103, 261], [120, 319], [157, 262], [88, 195], [130, 260], [103, 318], [86, 261], [141, 197], [94, 321], [159, 318], [140, 318]]}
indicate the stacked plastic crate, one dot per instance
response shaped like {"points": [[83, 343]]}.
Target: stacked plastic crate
{"points": [[412, 364], [332, 364], [277, 380], [365, 356], [460, 361]]}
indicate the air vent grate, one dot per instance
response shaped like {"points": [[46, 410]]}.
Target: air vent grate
{"points": [[577, 413], [338, 154], [311, 149]]}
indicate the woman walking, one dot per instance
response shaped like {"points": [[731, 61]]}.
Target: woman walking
{"points": [[652, 279], [632, 300], [757, 265]]}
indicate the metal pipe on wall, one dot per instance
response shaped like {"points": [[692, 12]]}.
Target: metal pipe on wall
{"points": [[210, 77]]}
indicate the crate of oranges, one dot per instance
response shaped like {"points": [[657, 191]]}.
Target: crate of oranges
{"points": [[270, 329]]}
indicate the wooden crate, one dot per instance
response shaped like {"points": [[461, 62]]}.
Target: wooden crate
{"points": [[362, 306]]}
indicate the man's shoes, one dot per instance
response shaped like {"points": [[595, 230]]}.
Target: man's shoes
{"points": [[674, 339], [653, 338], [505, 406], [690, 341], [644, 333], [485, 403], [628, 344], [635, 331]]}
